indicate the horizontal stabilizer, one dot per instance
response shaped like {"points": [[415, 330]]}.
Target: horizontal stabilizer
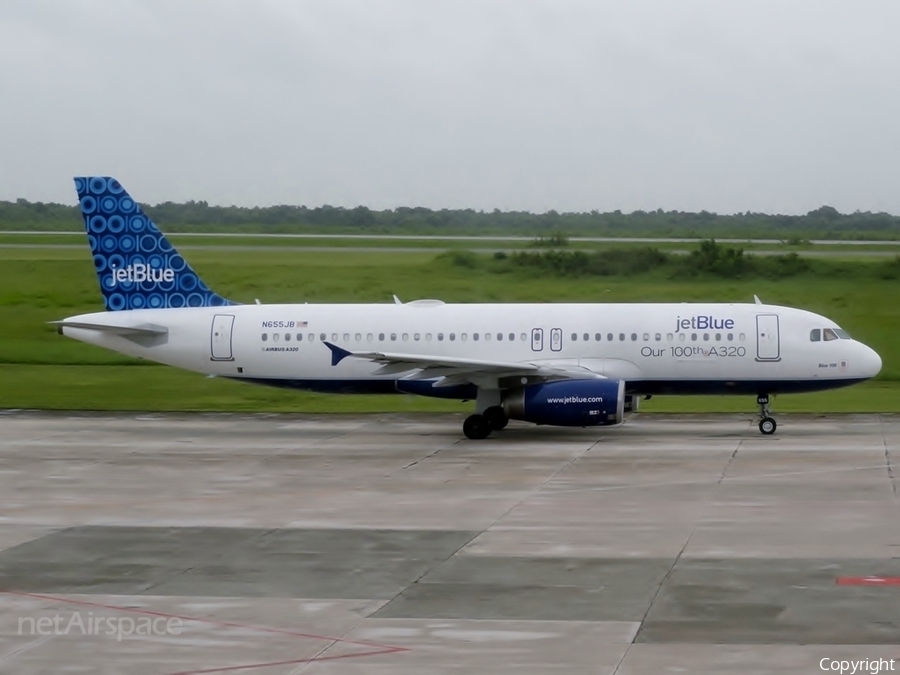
{"points": [[141, 329]]}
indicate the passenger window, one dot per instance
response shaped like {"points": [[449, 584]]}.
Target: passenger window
{"points": [[634, 337], [512, 337], [693, 337], [334, 337], [346, 337], [500, 336], [475, 337], [574, 337], [405, 337], [609, 336], [369, 337], [828, 335], [646, 337], [393, 337], [299, 337], [463, 337], [487, 337], [523, 336], [658, 337], [742, 337], [428, 336], [682, 337], [416, 337], [287, 337], [275, 337], [452, 337], [265, 337], [312, 337], [706, 337], [597, 337], [670, 337], [358, 337], [718, 337], [621, 337], [586, 337], [815, 335], [381, 337], [440, 337], [730, 337]]}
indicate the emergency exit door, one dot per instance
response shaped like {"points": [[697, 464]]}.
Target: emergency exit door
{"points": [[768, 341], [220, 339]]}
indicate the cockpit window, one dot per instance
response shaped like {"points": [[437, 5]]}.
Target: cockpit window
{"points": [[815, 335], [844, 335], [828, 334]]}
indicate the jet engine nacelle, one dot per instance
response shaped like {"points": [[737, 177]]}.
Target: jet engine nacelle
{"points": [[568, 403]]}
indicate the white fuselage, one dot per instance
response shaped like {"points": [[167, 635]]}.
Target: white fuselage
{"points": [[654, 348]]}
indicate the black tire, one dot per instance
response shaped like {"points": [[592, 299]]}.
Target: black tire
{"points": [[476, 427], [496, 418], [767, 426]]}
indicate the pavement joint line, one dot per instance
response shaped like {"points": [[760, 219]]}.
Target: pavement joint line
{"points": [[678, 557], [377, 649], [205, 561], [25, 648], [498, 519], [422, 459], [539, 487], [887, 459], [729, 479]]}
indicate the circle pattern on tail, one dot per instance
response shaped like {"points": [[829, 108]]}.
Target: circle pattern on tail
{"points": [[136, 265]]}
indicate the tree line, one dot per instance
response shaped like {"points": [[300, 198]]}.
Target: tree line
{"points": [[708, 259], [198, 216]]}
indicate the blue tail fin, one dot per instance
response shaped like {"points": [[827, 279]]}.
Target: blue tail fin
{"points": [[136, 265]]}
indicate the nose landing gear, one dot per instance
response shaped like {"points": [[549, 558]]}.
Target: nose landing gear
{"points": [[767, 424]]}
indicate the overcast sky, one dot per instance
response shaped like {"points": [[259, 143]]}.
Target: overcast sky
{"points": [[774, 106]]}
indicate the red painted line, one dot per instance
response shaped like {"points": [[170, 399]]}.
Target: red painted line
{"points": [[212, 622], [868, 581], [291, 662], [379, 649]]}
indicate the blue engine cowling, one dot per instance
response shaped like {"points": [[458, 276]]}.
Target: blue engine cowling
{"points": [[568, 403]]}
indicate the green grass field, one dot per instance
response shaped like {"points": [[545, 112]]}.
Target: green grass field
{"points": [[187, 242], [40, 369]]}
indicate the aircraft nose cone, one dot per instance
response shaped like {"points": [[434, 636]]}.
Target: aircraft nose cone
{"points": [[870, 362]]}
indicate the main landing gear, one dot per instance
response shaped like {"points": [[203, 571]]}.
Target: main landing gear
{"points": [[767, 424], [477, 427]]}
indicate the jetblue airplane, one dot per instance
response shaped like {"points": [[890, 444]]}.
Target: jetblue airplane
{"points": [[559, 364]]}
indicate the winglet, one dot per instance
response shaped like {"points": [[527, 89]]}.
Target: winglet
{"points": [[338, 354], [756, 299], [397, 301]]}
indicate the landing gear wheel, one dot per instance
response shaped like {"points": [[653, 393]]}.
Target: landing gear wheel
{"points": [[496, 418], [767, 426], [476, 427]]}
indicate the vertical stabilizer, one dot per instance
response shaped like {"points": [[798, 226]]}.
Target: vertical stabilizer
{"points": [[136, 265]]}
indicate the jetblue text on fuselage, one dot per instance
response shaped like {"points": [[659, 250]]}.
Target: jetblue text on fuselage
{"points": [[139, 272], [703, 322]]}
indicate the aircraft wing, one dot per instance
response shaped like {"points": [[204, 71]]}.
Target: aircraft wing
{"points": [[452, 370]]}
